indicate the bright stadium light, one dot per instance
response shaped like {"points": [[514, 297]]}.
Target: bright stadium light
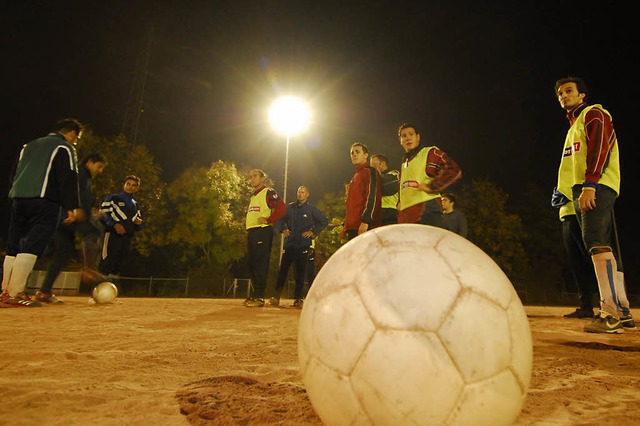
{"points": [[288, 115]]}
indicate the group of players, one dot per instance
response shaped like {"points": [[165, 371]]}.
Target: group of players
{"points": [[51, 204], [47, 182], [588, 186]]}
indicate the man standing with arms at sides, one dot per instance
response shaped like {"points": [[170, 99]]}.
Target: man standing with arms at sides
{"points": [[390, 185], [425, 172], [89, 230], [589, 174], [300, 225], [45, 187], [364, 195], [265, 208], [122, 219], [454, 220]]}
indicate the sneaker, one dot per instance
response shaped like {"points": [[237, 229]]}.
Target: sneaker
{"points": [[4, 296], [274, 302], [627, 322], [22, 299], [298, 303], [580, 313], [47, 298], [254, 303], [605, 323]]}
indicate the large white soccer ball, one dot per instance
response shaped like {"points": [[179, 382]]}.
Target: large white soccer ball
{"points": [[105, 292], [414, 325]]}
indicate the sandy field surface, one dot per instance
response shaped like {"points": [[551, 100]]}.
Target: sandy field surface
{"points": [[215, 362]]}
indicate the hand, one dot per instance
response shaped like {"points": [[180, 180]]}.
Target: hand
{"points": [[342, 235], [587, 199], [308, 234], [286, 233], [426, 188], [364, 227], [262, 220], [119, 229], [137, 221], [71, 217]]}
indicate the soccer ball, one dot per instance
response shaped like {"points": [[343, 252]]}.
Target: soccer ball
{"points": [[412, 324], [105, 292]]}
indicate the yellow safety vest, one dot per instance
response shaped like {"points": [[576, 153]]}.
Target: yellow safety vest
{"points": [[411, 175], [258, 208]]}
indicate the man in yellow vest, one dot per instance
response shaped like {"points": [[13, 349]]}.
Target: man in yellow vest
{"points": [[425, 172], [589, 174], [265, 208]]}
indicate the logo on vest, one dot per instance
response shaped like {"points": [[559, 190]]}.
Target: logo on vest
{"points": [[254, 209], [410, 184]]}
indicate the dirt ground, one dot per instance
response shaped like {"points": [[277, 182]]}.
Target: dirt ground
{"points": [[215, 362]]}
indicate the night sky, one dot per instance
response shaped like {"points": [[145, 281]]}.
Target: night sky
{"points": [[475, 77]]}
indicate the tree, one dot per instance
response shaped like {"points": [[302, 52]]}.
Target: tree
{"points": [[497, 232], [204, 223], [333, 207]]}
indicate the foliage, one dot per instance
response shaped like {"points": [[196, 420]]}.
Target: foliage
{"points": [[328, 242], [205, 224], [497, 232]]}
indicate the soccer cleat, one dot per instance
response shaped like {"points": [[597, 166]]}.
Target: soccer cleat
{"points": [[274, 302], [627, 322], [298, 303], [22, 299], [605, 323], [254, 303], [580, 313], [47, 298]]}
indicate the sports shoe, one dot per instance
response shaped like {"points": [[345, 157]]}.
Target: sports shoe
{"points": [[22, 299], [298, 303], [254, 303], [627, 322], [47, 298], [274, 302], [580, 313], [605, 323], [4, 296]]}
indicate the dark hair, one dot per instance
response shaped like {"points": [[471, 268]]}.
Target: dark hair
{"points": [[95, 157], [260, 172], [383, 158], [450, 196], [407, 126], [68, 125], [580, 84], [134, 178], [365, 149]]}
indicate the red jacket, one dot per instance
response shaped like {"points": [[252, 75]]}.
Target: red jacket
{"points": [[364, 198]]}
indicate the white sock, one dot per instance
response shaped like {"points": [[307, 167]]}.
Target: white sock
{"points": [[7, 267], [22, 267]]}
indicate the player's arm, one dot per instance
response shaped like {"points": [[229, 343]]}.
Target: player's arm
{"points": [[443, 169]]}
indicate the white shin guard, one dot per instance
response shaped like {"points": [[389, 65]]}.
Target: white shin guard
{"points": [[607, 274]]}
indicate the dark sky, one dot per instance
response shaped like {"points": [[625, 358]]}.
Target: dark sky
{"points": [[475, 77]]}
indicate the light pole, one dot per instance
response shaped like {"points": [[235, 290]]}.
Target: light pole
{"points": [[288, 115]]}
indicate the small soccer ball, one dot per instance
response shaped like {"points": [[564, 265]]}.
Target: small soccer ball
{"points": [[412, 324], [105, 292]]}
